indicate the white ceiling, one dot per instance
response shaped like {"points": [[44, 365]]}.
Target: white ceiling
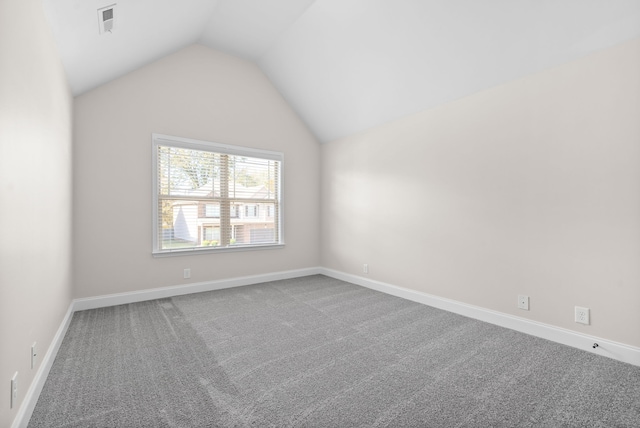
{"points": [[347, 65], [248, 28]]}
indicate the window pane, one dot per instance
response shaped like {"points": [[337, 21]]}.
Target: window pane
{"points": [[212, 210]]}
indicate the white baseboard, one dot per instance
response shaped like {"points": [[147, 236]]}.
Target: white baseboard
{"points": [[31, 398], [618, 351], [179, 290]]}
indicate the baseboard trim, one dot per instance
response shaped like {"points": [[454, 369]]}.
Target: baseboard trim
{"points": [[33, 393], [617, 351], [179, 290]]}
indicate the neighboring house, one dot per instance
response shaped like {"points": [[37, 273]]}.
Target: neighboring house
{"points": [[252, 221]]}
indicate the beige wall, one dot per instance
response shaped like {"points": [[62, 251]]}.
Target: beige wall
{"points": [[35, 193], [195, 93], [531, 187]]}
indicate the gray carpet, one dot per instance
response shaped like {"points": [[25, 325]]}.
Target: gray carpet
{"points": [[318, 352]]}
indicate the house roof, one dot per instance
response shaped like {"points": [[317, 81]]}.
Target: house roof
{"points": [[347, 65]]}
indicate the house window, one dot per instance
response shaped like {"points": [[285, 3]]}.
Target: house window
{"points": [[251, 211], [210, 235], [200, 187], [212, 210]]}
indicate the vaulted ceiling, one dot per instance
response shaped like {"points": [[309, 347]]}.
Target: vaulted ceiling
{"points": [[347, 65]]}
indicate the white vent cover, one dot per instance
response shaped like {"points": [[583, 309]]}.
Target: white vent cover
{"points": [[106, 18]]}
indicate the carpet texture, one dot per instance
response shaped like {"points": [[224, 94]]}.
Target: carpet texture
{"points": [[319, 352]]}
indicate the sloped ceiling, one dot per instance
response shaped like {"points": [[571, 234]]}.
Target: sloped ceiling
{"points": [[348, 65]]}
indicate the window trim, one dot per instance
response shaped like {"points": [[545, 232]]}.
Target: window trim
{"points": [[189, 143]]}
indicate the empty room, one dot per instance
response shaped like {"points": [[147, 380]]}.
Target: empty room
{"points": [[319, 213]]}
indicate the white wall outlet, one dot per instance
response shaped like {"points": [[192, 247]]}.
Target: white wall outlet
{"points": [[523, 302], [365, 268], [582, 315], [14, 390], [34, 354], [187, 273]]}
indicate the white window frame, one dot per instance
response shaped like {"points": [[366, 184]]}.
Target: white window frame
{"points": [[188, 143]]}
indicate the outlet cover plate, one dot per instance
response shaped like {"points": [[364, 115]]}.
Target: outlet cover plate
{"points": [[34, 354], [582, 315], [523, 302], [14, 390]]}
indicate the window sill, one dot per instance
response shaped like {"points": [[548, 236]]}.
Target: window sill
{"points": [[198, 251]]}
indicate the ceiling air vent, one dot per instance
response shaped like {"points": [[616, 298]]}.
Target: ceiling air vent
{"points": [[106, 18]]}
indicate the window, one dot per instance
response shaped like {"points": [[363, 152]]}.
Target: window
{"points": [[207, 196], [251, 211], [211, 234], [212, 210]]}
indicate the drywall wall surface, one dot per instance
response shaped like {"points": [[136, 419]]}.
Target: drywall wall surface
{"points": [[35, 194], [197, 93], [531, 187]]}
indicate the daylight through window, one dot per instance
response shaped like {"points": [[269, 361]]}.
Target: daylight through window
{"points": [[210, 196]]}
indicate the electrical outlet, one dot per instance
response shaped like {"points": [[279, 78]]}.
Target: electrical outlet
{"points": [[33, 355], [187, 273], [365, 268], [14, 390], [582, 315], [523, 302]]}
